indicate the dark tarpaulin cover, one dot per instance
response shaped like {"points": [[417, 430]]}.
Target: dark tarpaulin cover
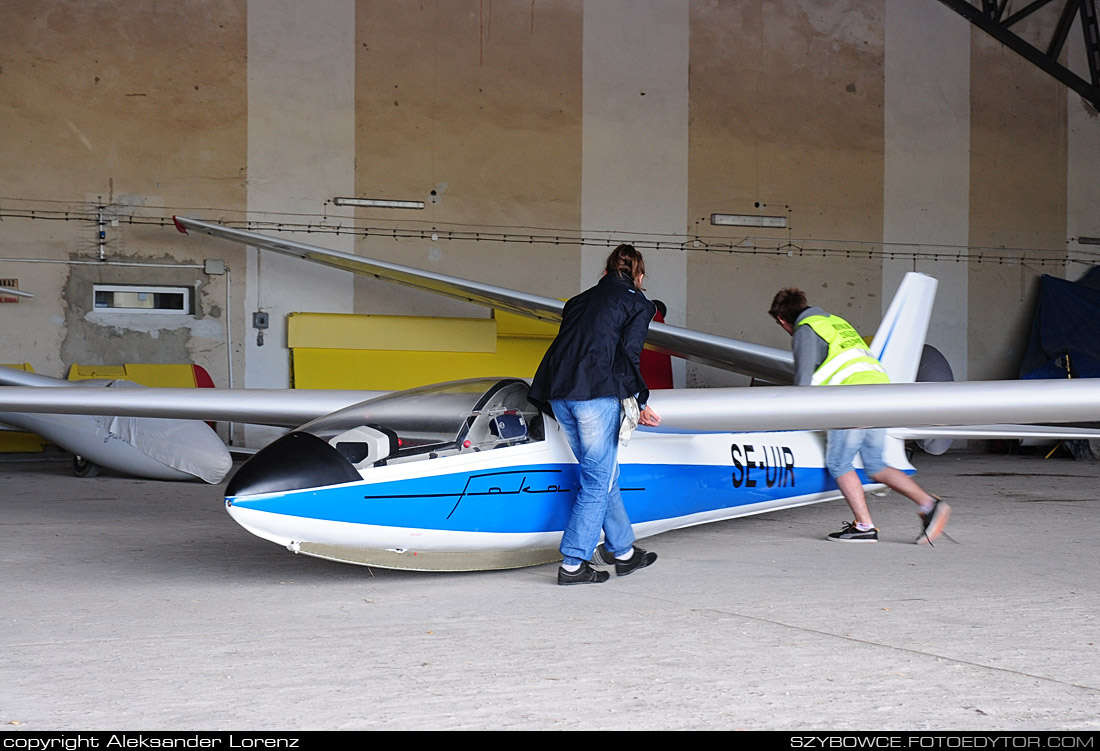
{"points": [[1066, 321]]}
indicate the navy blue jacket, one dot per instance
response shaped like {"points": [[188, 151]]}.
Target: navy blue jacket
{"points": [[597, 349]]}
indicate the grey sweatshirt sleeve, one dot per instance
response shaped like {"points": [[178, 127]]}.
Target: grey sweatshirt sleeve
{"points": [[809, 350]]}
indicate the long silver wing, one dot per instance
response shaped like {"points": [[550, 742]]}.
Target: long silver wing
{"points": [[909, 405], [283, 407], [771, 364]]}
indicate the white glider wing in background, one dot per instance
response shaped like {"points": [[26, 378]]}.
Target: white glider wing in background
{"points": [[771, 364]]}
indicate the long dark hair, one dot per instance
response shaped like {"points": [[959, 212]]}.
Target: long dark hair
{"points": [[625, 261]]}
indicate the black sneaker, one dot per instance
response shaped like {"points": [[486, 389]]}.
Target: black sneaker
{"points": [[584, 575], [851, 533], [638, 559], [933, 522], [602, 556]]}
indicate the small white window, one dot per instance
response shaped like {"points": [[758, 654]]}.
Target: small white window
{"points": [[133, 298]]}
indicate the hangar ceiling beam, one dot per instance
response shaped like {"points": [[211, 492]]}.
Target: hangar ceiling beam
{"points": [[989, 16]]}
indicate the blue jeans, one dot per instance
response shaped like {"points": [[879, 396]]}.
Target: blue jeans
{"points": [[592, 429], [841, 447]]}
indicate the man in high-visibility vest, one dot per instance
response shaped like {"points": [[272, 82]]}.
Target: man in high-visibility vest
{"points": [[829, 352]]}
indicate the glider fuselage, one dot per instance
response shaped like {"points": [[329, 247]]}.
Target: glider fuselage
{"points": [[501, 503]]}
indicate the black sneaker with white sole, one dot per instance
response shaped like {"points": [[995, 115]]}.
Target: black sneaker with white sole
{"points": [[852, 533], [584, 575], [638, 559]]}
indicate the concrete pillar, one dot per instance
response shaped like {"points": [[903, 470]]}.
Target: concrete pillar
{"points": [[927, 159], [634, 182], [301, 146], [1082, 167]]}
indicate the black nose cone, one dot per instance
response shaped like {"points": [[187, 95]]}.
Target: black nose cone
{"points": [[294, 462]]}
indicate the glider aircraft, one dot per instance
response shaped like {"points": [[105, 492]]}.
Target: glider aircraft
{"points": [[469, 475], [175, 447], [152, 447]]}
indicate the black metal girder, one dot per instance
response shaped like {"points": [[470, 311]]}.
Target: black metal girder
{"points": [[989, 16]]}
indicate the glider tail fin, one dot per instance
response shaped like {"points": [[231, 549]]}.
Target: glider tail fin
{"points": [[899, 342], [900, 337]]}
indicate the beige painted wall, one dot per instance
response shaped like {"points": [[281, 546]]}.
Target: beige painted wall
{"points": [[1082, 167], [634, 172], [1017, 200], [139, 106], [480, 103], [501, 109], [301, 139], [786, 120], [926, 187]]}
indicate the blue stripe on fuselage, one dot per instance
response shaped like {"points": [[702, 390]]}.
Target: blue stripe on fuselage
{"points": [[538, 498]]}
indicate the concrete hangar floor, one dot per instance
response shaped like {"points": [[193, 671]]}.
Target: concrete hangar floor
{"points": [[133, 604]]}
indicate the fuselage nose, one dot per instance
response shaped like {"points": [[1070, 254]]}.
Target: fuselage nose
{"points": [[294, 462]]}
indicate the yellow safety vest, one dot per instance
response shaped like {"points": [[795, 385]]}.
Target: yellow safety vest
{"points": [[848, 361]]}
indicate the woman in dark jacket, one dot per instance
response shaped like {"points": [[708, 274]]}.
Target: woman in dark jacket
{"points": [[589, 369]]}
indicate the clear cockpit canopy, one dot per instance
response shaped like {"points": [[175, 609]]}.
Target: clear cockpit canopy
{"points": [[431, 421]]}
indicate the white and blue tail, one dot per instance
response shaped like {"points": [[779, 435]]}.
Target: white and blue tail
{"points": [[899, 341]]}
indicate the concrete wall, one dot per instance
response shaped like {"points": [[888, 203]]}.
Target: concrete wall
{"points": [[1017, 199], [475, 109], [786, 120], [927, 170], [1082, 166], [301, 142], [634, 171], [890, 133], [139, 107]]}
